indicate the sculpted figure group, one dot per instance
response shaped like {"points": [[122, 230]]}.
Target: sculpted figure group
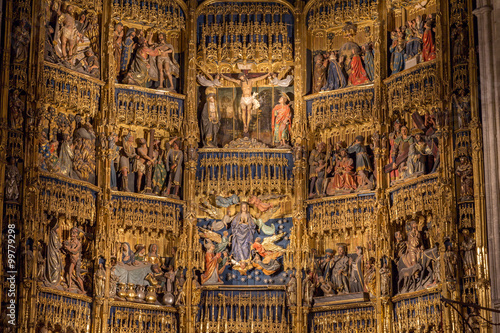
{"points": [[73, 279], [237, 247], [144, 58], [146, 169], [413, 41], [72, 37], [67, 145], [416, 153], [340, 169]]}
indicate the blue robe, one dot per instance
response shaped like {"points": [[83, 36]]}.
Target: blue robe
{"points": [[336, 78], [242, 237], [362, 160], [369, 65], [397, 58]]}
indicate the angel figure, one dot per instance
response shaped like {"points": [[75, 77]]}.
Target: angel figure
{"points": [[266, 253], [221, 242], [276, 81], [209, 80], [261, 221], [210, 209], [242, 266], [219, 225]]}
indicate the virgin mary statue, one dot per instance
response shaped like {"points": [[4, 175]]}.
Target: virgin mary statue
{"points": [[243, 226]]}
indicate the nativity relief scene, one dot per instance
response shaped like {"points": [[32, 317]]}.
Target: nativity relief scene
{"points": [[250, 166]]}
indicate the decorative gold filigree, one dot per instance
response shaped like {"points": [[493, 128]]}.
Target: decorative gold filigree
{"points": [[146, 107], [69, 89], [68, 197], [426, 308], [359, 319], [327, 14], [164, 14], [141, 319], [339, 214], [418, 87], [62, 309], [135, 211], [343, 107]]}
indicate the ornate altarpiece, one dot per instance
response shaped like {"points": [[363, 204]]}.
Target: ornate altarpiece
{"points": [[245, 166]]}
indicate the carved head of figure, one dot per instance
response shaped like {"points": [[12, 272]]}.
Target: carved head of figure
{"points": [[244, 207], [404, 131], [243, 77], [341, 250], [119, 27], [142, 141], [225, 234], [161, 38], [153, 249], [359, 250], [398, 236], [258, 240]]}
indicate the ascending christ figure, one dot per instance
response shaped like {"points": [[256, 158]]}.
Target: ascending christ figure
{"points": [[246, 96]]}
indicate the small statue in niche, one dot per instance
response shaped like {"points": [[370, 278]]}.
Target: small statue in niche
{"points": [[462, 105], [73, 247], [428, 49], [369, 276], [356, 279], [247, 99], [460, 42], [397, 51], [316, 156], [336, 78], [173, 163], [450, 262], [340, 270], [308, 290], [117, 46], [319, 75], [358, 74], [12, 180], [20, 41], [128, 159], [84, 150], [281, 121], [466, 174], [291, 291], [210, 120], [16, 110], [468, 248], [385, 277], [180, 295], [101, 279], [143, 162]]}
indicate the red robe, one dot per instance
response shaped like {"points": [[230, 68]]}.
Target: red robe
{"points": [[344, 176], [211, 267], [429, 49], [281, 122], [358, 73]]}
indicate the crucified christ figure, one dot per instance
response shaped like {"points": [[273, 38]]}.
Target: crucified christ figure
{"points": [[246, 96]]}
